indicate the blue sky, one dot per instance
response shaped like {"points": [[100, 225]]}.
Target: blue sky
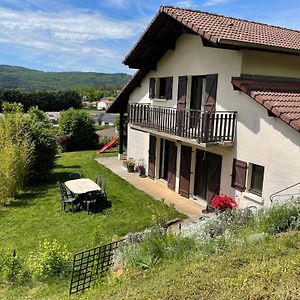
{"points": [[91, 35]]}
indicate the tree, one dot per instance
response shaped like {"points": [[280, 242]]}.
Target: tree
{"points": [[80, 127]]}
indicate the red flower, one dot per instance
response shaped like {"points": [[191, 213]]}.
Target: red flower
{"points": [[224, 202]]}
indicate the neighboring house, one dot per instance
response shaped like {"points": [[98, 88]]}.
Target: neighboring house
{"points": [[107, 119], [53, 116], [104, 103], [215, 105]]}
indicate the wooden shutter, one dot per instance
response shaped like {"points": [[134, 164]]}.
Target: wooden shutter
{"points": [[169, 87], [172, 165], [185, 171], [214, 169], [152, 88], [182, 89], [239, 171], [152, 150], [211, 92]]}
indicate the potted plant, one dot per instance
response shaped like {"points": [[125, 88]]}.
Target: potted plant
{"points": [[124, 161], [222, 203], [141, 168], [130, 165]]}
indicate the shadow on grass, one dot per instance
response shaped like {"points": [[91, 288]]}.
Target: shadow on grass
{"points": [[27, 198], [58, 166]]}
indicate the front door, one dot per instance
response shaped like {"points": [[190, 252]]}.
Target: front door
{"points": [[207, 175], [185, 171]]}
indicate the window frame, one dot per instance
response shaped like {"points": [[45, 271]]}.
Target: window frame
{"points": [[156, 94], [253, 189]]}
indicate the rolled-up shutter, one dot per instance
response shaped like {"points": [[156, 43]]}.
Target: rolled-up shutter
{"points": [[239, 171], [182, 88], [169, 87], [211, 92], [152, 88]]}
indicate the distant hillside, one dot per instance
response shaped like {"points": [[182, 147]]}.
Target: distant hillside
{"points": [[12, 77]]}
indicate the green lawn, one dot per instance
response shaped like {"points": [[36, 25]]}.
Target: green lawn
{"points": [[36, 216]]}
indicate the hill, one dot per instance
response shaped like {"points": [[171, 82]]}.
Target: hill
{"points": [[12, 77]]}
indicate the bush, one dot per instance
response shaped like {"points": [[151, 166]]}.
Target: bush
{"points": [[52, 259], [80, 127], [45, 147], [280, 217], [64, 143], [104, 140], [16, 151]]}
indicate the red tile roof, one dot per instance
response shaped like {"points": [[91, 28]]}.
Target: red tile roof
{"points": [[218, 29], [281, 98]]}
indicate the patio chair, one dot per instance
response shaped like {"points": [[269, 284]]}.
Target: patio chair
{"points": [[91, 198], [66, 197], [101, 181], [75, 175]]}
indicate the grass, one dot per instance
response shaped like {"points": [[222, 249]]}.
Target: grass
{"points": [[268, 269], [36, 215]]}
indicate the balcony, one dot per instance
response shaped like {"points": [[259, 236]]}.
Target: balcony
{"points": [[203, 127]]}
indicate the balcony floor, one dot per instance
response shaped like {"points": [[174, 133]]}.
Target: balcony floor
{"points": [[155, 189]]}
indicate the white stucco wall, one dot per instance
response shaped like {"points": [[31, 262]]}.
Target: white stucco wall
{"points": [[260, 139], [270, 64]]}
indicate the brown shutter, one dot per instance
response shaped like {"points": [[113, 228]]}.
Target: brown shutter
{"points": [[172, 165], [211, 92], [185, 171], [182, 88], [239, 171], [152, 88], [169, 87], [152, 150]]}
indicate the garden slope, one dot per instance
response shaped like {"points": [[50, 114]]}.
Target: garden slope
{"points": [[28, 79], [268, 269]]}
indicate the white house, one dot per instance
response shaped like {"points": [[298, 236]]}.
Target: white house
{"points": [[104, 103], [214, 107]]}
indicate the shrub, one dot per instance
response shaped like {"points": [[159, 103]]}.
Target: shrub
{"points": [[12, 266], [280, 217], [45, 147], [104, 140], [16, 151], [80, 127], [52, 259], [64, 143]]}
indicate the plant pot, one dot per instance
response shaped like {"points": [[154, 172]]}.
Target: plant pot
{"points": [[142, 172], [130, 168]]}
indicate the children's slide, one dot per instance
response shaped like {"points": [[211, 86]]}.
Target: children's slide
{"points": [[111, 143]]}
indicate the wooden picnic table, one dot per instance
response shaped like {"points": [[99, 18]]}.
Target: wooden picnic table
{"points": [[82, 186]]}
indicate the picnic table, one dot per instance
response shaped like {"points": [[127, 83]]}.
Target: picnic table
{"points": [[82, 186]]}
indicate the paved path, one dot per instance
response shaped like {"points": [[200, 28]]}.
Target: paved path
{"points": [[155, 189]]}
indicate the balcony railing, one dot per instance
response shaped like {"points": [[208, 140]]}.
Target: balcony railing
{"points": [[204, 127]]}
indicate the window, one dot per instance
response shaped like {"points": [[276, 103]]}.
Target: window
{"points": [[161, 88], [257, 179]]}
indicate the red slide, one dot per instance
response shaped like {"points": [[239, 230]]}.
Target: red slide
{"points": [[111, 143]]}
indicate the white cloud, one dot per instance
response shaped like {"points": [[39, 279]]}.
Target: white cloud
{"points": [[66, 37], [215, 2], [120, 4], [186, 4]]}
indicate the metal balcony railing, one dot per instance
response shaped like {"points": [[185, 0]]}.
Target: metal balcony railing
{"points": [[205, 127]]}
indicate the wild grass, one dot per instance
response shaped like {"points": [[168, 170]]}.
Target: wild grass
{"points": [[236, 255]]}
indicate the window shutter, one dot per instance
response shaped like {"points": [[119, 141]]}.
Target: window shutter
{"points": [[169, 87], [182, 89], [211, 92], [239, 171], [152, 88]]}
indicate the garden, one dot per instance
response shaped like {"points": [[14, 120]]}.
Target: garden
{"points": [[38, 239]]}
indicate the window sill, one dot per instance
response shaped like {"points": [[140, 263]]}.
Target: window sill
{"points": [[253, 197], [159, 100]]}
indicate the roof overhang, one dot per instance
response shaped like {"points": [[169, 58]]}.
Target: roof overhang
{"points": [[281, 98]]}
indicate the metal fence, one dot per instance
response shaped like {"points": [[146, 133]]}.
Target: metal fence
{"points": [[92, 264]]}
